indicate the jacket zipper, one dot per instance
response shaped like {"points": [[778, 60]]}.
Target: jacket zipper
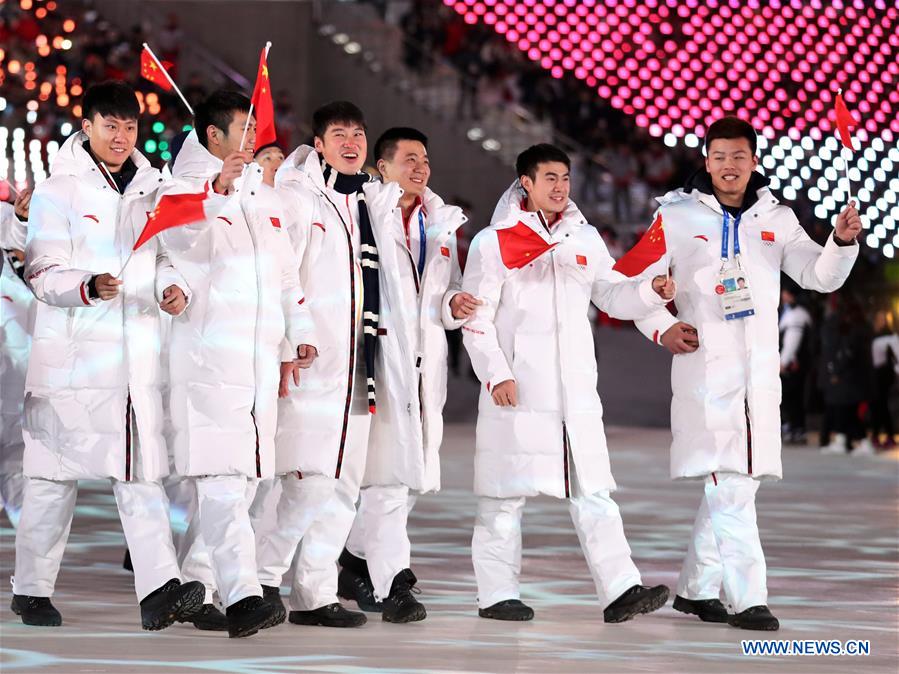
{"points": [[128, 438], [352, 355], [748, 437], [565, 460], [256, 429]]}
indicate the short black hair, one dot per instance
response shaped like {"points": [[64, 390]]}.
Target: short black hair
{"points": [[385, 146], [731, 127], [218, 111], [527, 161], [335, 113], [110, 99]]}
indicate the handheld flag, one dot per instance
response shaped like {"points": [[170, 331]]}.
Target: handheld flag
{"points": [[521, 245], [649, 249], [153, 70], [173, 210], [262, 101], [845, 121]]}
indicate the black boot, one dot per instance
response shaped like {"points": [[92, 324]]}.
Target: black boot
{"points": [[272, 595], [708, 610], [249, 615], [209, 619], [173, 601], [354, 582], [36, 610], [754, 618], [509, 609], [634, 601], [400, 606], [359, 589], [332, 615]]}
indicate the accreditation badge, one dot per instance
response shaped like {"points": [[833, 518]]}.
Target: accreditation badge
{"points": [[734, 294]]}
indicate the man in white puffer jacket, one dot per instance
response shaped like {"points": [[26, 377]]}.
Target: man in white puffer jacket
{"points": [[226, 349], [323, 425], [540, 429], [421, 298], [725, 416], [92, 402]]}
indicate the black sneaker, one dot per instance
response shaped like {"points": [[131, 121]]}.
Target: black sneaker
{"points": [[272, 595], [634, 601], [173, 601], [754, 618], [209, 618], [509, 609], [249, 615], [332, 615], [351, 562], [400, 606], [36, 610], [354, 587], [708, 610]]}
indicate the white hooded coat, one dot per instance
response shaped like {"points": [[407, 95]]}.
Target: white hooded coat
{"points": [[533, 328], [92, 402], [734, 376], [313, 419], [225, 349], [407, 431]]}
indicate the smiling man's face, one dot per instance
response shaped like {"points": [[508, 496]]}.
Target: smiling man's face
{"points": [[344, 146], [111, 139], [730, 162]]}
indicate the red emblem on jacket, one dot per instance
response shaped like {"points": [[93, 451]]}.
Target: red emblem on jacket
{"points": [[276, 223], [92, 217], [444, 251], [581, 260], [768, 237]]}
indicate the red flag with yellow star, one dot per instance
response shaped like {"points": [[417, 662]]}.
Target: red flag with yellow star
{"points": [[845, 121], [263, 104], [152, 70], [650, 248], [173, 210]]}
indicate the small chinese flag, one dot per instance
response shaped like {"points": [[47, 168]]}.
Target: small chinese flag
{"points": [[151, 69], [521, 245], [845, 121], [263, 105], [173, 210], [650, 248]]}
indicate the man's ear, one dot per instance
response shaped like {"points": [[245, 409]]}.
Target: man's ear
{"points": [[526, 183], [86, 127], [318, 144], [213, 135], [381, 165]]}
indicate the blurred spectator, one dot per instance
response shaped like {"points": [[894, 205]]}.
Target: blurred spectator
{"points": [[845, 376], [795, 339], [885, 359]]}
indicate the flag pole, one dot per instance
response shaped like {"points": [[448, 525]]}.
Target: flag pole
{"points": [[246, 126], [127, 260], [169, 78]]}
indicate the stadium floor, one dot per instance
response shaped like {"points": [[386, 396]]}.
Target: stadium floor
{"points": [[829, 531]]}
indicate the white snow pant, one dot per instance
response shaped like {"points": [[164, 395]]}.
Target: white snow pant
{"points": [[47, 519], [12, 492], [496, 547], [315, 581], [193, 554], [725, 547], [224, 502], [379, 534]]}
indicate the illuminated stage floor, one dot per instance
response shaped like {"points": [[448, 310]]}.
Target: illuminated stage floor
{"points": [[829, 531]]}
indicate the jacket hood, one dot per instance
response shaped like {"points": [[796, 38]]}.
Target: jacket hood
{"points": [[301, 165], [509, 206], [194, 161], [73, 160]]}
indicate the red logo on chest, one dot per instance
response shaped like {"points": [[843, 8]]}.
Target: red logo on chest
{"points": [[92, 217], [444, 251], [276, 223], [581, 260], [768, 238]]}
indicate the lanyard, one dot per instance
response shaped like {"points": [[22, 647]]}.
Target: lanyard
{"points": [[725, 237], [421, 242]]}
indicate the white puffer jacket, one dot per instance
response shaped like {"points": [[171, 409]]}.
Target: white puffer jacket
{"points": [[731, 384], [533, 327], [225, 350], [92, 402]]}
